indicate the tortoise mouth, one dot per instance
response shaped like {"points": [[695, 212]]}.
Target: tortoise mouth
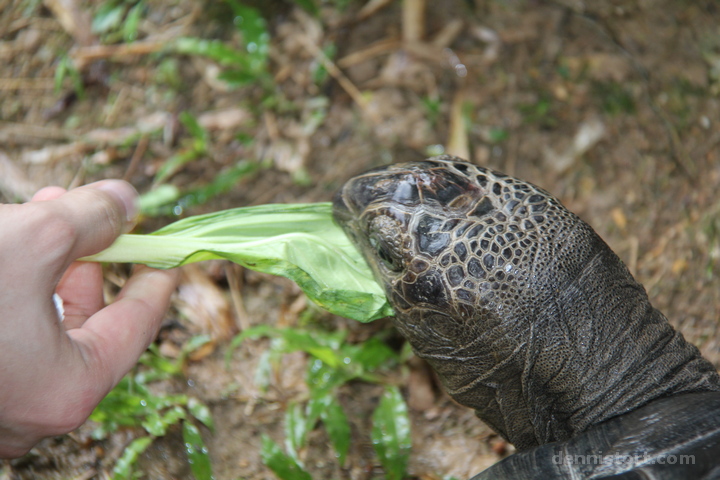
{"points": [[341, 211]]}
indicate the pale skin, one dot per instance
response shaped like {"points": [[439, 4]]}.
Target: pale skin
{"points": [[52, 373]]}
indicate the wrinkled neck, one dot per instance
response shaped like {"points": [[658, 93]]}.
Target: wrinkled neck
{"points": [[592, 348]]}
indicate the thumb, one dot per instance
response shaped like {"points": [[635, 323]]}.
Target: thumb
{"points": [[78, 223]]}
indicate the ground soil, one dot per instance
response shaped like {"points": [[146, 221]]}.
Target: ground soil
{"points": [[611, 105]]}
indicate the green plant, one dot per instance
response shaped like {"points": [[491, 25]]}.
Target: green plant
{"points": [[117, 20], [244, 65], [65, 68], [132, 404], [333, 362], [391, 433]]}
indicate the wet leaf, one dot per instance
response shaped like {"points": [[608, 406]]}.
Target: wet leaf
{"points": [[391, 433], [296, 429], [299, 241], [255, 34], [283, 465], [315, 407], [200, 411], [369, 355], [338, 428], [323, 378], [124, 466], [304, 340], [197, 452], [156, 424]]}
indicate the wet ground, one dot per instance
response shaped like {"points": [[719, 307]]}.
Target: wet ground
{"points": [[613, 106]]}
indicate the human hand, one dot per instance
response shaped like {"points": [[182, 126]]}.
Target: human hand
{"points": [[54, 373]]}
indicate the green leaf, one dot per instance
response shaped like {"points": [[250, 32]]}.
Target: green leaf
{"points": [[156, 424], [315, 407], [173, 164], [124, 466], [323, 379], [296, 429], [237, 77], [264, 369], [159, 366], [369, 355], [197, 452], [300, 242], [125, 405], [195, 129], [130, 26], [283, 465], [223, 182], [190, 346], [151, 201], [338, 428], [391, 433], [213, 49], [255, 34], [200, 411], [258, 331], [303, 340], [108, 17], [169, 200]]}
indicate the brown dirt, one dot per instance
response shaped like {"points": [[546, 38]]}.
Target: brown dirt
{"points": [[639, 78]]}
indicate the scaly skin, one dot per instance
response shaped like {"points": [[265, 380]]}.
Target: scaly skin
{"points": [[524, 312]]}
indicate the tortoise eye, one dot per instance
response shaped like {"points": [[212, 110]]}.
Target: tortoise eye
{"points": [[386, 254], [393, 264]]}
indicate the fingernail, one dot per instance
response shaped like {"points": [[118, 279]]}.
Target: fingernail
{"points": [[124, 192]]}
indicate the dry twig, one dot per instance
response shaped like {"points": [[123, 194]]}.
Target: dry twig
{"points": [[413, 20]]}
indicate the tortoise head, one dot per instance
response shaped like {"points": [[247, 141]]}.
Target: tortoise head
{"points": [[453, 244]]}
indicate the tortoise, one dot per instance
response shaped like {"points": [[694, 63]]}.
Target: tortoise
{"points": [[528, 317]]}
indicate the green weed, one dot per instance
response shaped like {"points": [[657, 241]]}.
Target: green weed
{"points": [[333, 362], [132, 404], [244, 65], [118, 20]]}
